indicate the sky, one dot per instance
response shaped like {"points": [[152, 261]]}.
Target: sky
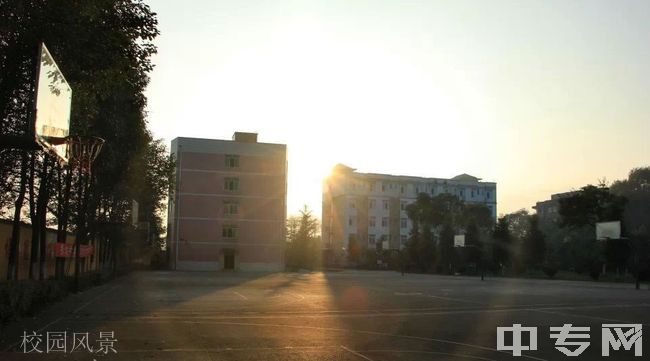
{"points": [[539, 96]]}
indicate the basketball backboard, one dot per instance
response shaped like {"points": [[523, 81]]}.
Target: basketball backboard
{"points": [[52, 109], [459, 240], [608, 230]]}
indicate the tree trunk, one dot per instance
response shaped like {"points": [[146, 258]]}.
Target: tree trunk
{"points": [[33, 257], [41, 213], [81, 229], [12, 266], [63, 210]]}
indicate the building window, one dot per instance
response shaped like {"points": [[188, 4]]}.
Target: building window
{"points": [[384, 222], [402, 205], [402, 223], [371, 239], [230, 208], [385, 238], [383, 187], [403, 239], [231, 184], [401, 189], [488, 195], [351, 221], [353, 205], [385, 204], [229, 232], [371, 204], [232, 161], [372, 222]]}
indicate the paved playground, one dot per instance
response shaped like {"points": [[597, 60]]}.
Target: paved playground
{"points": [[349, 315]]}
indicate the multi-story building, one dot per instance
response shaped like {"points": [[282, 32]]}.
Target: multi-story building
{"points": [[371, 207], [228, 206], [548, 211]]}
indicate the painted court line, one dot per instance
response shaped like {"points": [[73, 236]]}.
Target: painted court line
{"points": [[376, 333], [356, 353], [297, 296], [232, 349], [581, 316], [240, 295], [95, 298], [455, 355], [455, 300], [373, 313], [13, 345]]}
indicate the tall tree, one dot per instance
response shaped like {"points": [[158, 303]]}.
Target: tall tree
{"points": [[592, 204], [104, 49], [421, 245], [636, 189], [446, 253], [534, 245], [502, 244], [303, 250], [636, 219], [580, 213]]}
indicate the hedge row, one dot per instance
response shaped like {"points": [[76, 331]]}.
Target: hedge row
{"points": [[25, 297]]}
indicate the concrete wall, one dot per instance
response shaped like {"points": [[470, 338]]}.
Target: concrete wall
{"points": [[24, 249]]}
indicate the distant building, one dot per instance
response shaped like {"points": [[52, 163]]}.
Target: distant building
{"points": [[371, 207], [228, 208], [548, 212]]}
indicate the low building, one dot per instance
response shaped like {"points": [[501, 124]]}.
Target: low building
{"points": [[548, 212], [228, 207], [371, 208]]}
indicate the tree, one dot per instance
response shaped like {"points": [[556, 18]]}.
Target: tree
{"points": [[636, 217], [534, 245], [303, 249], [446, 254], [518, 227], [421, 245], [580, 213], [434, 222], [636, 189], [592, 204], [104, 49], [502, 243]]}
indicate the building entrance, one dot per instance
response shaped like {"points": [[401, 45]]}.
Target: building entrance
{"points": [[228, 259]]}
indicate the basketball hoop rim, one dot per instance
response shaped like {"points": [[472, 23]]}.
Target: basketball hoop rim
{"points": [[83, 150]]}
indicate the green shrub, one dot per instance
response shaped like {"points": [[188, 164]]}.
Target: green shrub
{"points": [[549, 271], [24, 298]]}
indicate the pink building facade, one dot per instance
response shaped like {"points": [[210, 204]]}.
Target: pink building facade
{"points": [[227, 210]]}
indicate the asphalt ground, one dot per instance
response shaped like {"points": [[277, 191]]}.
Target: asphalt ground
{"points": [[349, 315]]}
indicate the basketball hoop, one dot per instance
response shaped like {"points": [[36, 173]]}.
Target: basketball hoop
{"points": [[82, 151]]}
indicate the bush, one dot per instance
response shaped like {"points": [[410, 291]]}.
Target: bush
{"points": [[549, 271], [24, 298], [159, 260]]}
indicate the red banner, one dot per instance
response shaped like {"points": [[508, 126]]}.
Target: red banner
{"points": [[67, 250]]}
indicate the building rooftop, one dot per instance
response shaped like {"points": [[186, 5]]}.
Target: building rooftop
{"points": [[342, 168]]}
